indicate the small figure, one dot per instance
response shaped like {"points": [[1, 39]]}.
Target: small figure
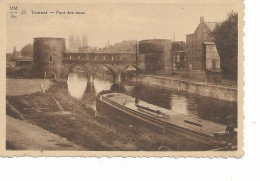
{"points": [[42, 88], [136, 100]]}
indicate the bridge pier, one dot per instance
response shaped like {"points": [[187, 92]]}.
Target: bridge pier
{"points": [[91, 78], [117, 78]]}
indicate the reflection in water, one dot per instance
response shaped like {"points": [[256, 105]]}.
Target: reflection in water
{"points": [[179, 104], [77, 83], [195, 106]]}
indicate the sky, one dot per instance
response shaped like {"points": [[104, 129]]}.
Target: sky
{"points": [[110, 22]]}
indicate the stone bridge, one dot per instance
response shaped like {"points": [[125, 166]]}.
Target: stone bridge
{"points": [[91, 63]]}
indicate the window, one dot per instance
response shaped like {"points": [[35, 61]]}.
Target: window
{"points": [[70, 57]]}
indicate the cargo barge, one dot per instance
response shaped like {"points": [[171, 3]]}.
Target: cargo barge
{"points": [[127, 108]]}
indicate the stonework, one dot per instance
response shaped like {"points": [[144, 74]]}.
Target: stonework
{"points": [[48, 56], [194, 43]]}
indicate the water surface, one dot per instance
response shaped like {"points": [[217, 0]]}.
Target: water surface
{"points": [[192, 105]]}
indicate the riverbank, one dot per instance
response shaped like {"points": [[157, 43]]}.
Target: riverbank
{"points": [[220, 92], [55, 112]]}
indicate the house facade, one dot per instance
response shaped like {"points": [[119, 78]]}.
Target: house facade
{"points": [[179, 55], [195, 42]]}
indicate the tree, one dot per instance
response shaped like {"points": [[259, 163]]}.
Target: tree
{"points": [[226, 39], [27, 51]]}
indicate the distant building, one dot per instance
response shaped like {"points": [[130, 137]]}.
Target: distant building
{"points": [[85, 41], [195, 42], [9, 60], [71, 47], [24, 62], [179, 55], [9, 57], [108, 44], [16, 54], [75, 44], [157, 55]]}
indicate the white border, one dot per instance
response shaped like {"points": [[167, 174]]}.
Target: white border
{"points": [[245, 168]]}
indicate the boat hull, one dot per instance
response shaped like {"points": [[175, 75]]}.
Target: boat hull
{"points": [[113, 110]]}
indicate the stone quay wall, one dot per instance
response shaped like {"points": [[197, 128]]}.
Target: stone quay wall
{"points": [[198, 88]]}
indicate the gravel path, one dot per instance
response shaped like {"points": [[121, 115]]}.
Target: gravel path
{"points": [[22, 135]]}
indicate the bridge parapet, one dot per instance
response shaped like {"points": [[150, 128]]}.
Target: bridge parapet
{"points": [[100, 57], [116, 63]]}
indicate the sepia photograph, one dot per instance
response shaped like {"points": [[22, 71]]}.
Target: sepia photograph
{"points": [[124, 78]]}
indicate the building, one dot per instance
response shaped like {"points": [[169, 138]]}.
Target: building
{"points": [[77, 44], [85, 41], [179, 55], [47, 56], [9, 60], [74, 44], [71, 44], [195, 42], [16, 54], [211, 57], [157, 55], [23, 62]]}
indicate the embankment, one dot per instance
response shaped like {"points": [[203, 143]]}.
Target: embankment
{"points": [[199, 88]]}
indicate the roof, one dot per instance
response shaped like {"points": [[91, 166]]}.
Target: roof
{"points": [[155, 39], [24, 58]]}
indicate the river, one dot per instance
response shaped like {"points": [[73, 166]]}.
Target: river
{"points": [[192, 105]]}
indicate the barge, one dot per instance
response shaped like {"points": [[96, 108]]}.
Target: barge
{"points": [[127, 108]]}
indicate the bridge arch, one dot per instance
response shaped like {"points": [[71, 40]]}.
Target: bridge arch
{"points": [[87, 72], [112, 69], [137, 67]]}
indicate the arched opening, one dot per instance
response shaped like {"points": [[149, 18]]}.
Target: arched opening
{"points": [[77, 81], [130, 71], [78, 68], [52, 75], [133, 68], [107, 71]]}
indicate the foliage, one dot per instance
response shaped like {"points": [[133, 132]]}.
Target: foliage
{"points": [[226, 39], [27, 51]]}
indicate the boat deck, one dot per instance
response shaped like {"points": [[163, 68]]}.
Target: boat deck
{"points": [[173, 118]]}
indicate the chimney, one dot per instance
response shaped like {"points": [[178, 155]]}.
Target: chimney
{"points": [[202, 19]]}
